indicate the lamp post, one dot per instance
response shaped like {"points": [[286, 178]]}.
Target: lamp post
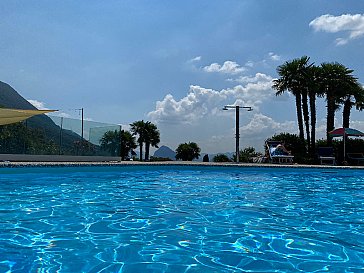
{"points": [[237, 135]]}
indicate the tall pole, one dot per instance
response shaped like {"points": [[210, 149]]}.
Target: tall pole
{"points": [[82, 125], [120, 142], [237, 133], [60, 137], [344, 137]]}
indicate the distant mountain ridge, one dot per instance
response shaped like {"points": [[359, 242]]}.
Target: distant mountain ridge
{"points": [[10, 98], [165, 152]]}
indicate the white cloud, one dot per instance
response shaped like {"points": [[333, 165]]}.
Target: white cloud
{"points": [[38, 104], [196, 59], [341, 41], [201, 102], [353, 25], [229, 67], [249, 64], [265, 62], [274, 57], [259, 77], [61, 114], [261, 125]]}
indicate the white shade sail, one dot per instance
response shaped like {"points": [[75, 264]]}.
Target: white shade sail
{"points": [[8, 116]]}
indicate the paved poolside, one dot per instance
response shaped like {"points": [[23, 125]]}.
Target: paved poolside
{"points": [[7, 164]]}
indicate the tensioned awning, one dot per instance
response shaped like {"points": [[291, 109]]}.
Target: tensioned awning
{"points": [[8, 116]]}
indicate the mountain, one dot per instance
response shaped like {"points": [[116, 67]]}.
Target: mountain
{"points": [[165, 152], [9, 98]]}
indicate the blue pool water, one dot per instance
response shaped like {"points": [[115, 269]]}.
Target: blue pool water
{"points": [[181, 219]]}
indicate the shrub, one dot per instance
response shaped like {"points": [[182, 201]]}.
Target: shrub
{"points": [[221, 158], [188, 151], [205, 158], [247, 155]]}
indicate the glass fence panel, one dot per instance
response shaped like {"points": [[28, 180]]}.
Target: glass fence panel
{"points": [[48, 135]]}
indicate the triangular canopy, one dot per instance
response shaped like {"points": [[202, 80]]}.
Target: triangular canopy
{"points": [[345, 131], [8, 116]]}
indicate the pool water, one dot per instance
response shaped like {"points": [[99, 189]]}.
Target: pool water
{"points": [[181, 219]]}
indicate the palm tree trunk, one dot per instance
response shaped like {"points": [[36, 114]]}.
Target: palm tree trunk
{"points": [[312, 147], [147, 147], [306, 115], [141, 151], [330, 119], [299, 116], [346, 112]]}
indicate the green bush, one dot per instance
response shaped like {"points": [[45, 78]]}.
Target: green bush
{"points": [[247, 154], [188, 151], [221, 158]]}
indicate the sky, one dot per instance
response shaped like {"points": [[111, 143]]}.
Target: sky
{"points": [[177, 63]]}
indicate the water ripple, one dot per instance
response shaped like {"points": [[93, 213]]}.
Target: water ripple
{"points": [[181, 220]]}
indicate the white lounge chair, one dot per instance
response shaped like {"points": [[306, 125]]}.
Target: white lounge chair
{"points": [[278, 157]]}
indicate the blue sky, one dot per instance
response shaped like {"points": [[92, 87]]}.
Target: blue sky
{"points": [[176, 63]]}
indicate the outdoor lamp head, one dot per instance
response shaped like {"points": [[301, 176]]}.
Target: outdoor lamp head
{"points": [[225, 108]]}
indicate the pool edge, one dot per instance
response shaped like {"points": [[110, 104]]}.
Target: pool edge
{"points": [[169, 163]]}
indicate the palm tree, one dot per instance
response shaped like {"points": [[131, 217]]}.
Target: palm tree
{"points": [[127, 143], [152, 137], [313, 90], [110, 142], [336, 79], [294, 78], [138, 128], [356, 94]]}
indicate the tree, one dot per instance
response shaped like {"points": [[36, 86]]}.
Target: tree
{"points": [[138, 128], [118, 143], [313, 90], [206, 158], [127, 144], [151, 137], [355, 96], [246, 155], [18, 139], [188, 151], [110, 141], [221, 158], [294, 78], [336, 80]]}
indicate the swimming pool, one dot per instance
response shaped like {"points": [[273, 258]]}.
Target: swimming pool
{"points": [[181, 219]]}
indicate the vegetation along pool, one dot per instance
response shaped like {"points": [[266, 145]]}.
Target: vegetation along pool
{"points": [[181, 219]]}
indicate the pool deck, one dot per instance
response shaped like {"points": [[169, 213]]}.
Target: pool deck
{"points": [[166, 163]]}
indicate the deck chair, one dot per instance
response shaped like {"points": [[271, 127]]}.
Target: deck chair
{"points": [[275, 157], [326, 155], [355, 158]]}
